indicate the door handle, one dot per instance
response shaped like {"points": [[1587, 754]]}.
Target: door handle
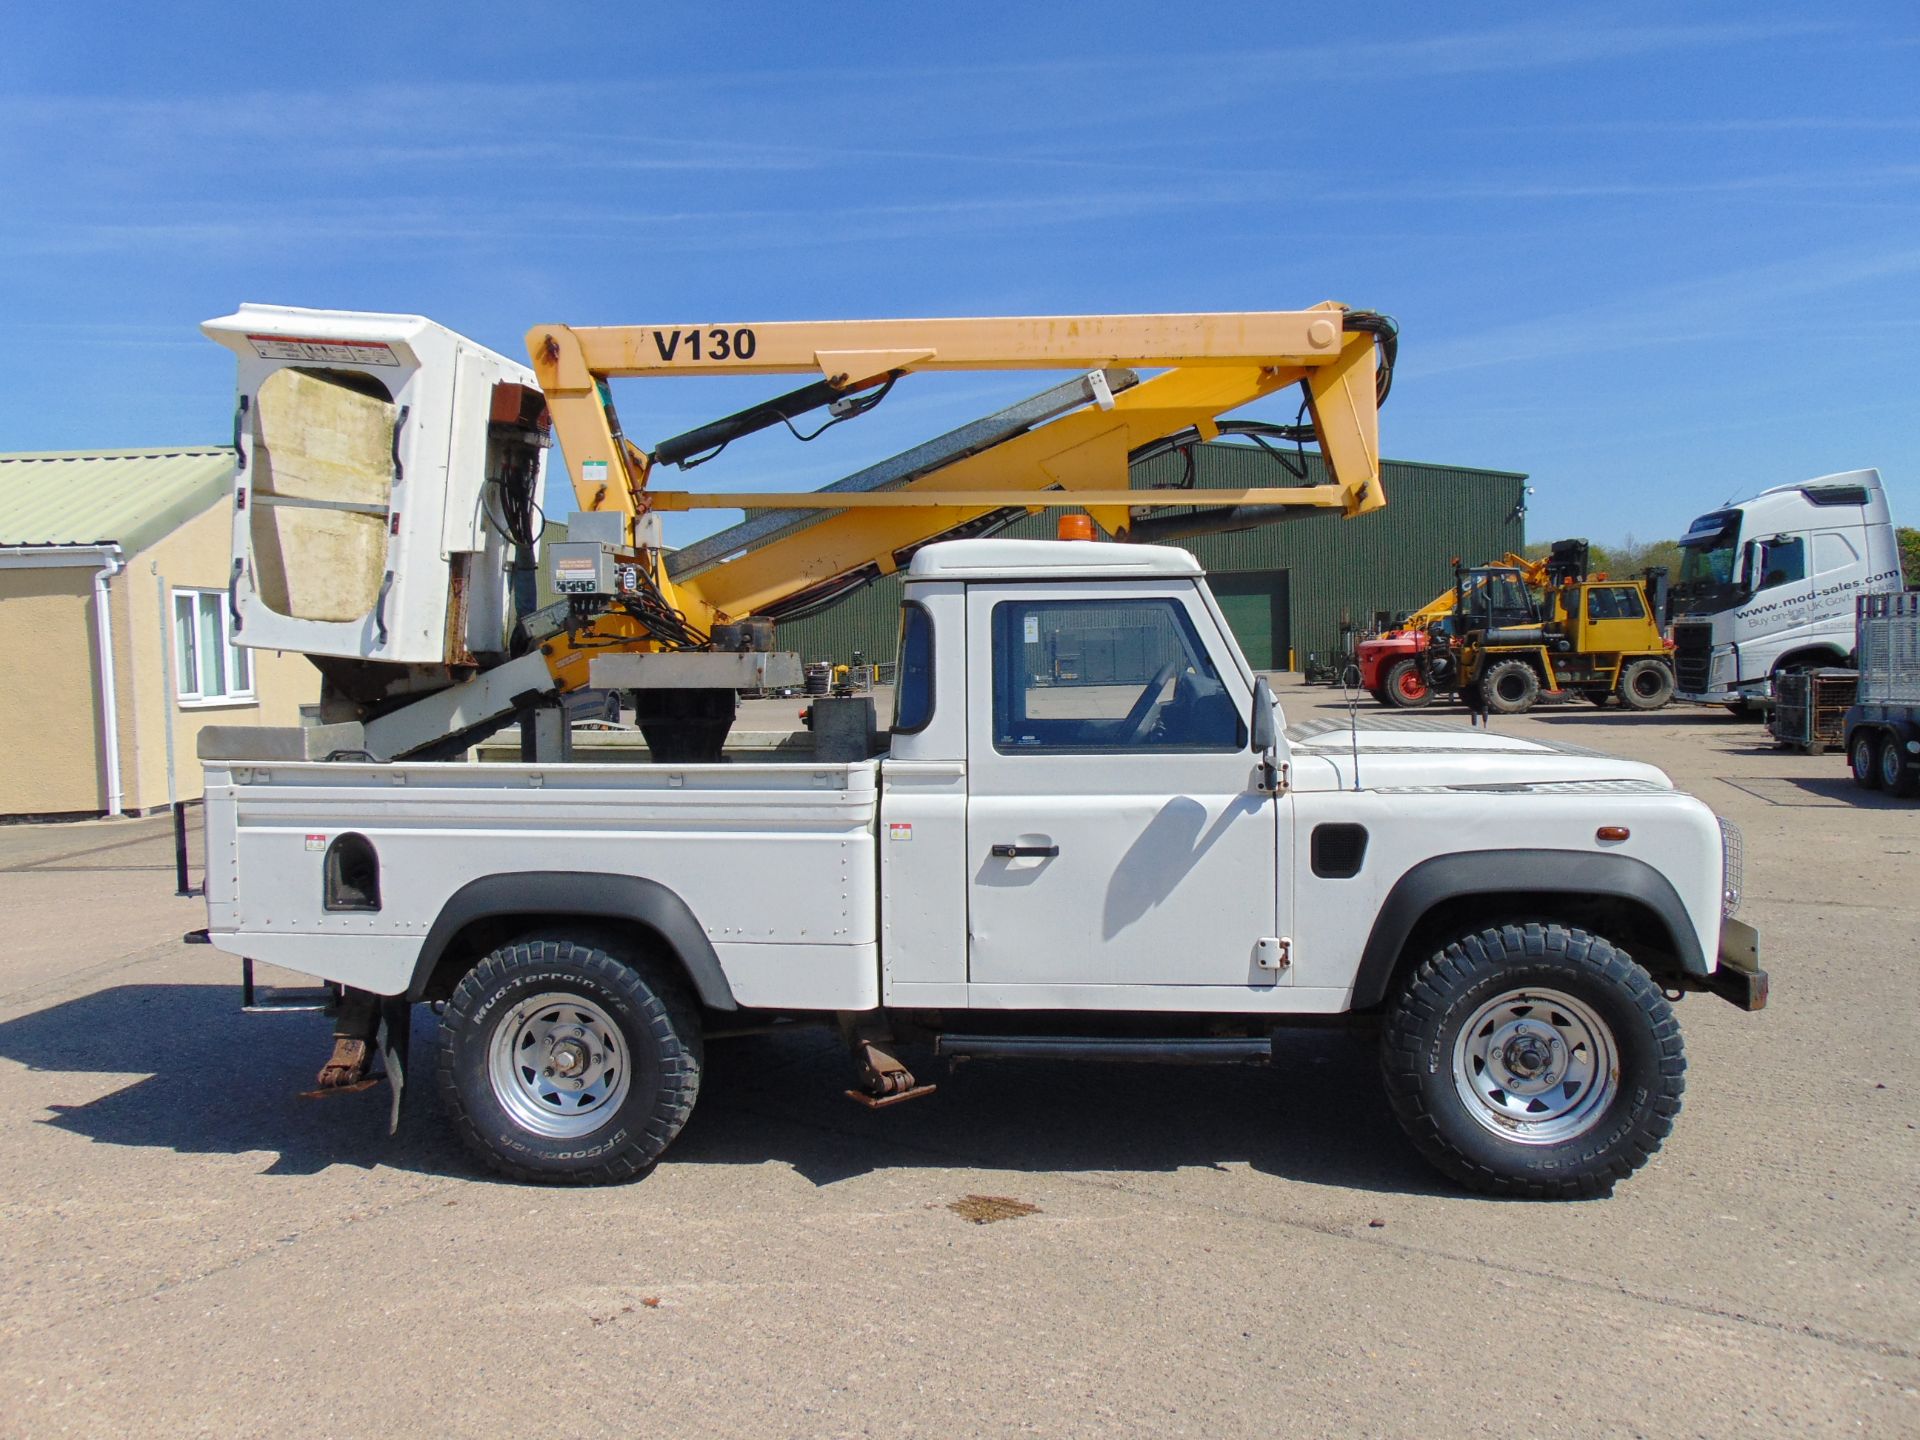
{"points": [[1021, 852]]}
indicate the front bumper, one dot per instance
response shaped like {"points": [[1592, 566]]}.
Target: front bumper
{"points": [[1739, 979]]}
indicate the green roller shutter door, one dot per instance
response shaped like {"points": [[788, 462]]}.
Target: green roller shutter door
{"points": [[1255, 604]]}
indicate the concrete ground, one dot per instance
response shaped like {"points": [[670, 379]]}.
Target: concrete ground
{"points": [[186, 1247]]}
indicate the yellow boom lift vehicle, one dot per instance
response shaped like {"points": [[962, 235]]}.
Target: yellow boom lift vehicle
{"points": [[1589, 635], [1505, 633], [389, 470]]}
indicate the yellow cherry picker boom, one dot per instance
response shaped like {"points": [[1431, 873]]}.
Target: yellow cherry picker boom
{"points": [[388, 472]]}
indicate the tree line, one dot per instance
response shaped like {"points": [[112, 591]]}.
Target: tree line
{"points": [[1630, 556]]}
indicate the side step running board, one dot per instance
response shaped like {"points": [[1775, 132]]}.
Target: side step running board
{"points": [[281, 999], [1182, 1050]]}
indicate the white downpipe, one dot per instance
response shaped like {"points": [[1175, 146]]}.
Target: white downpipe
{"points": [[110, 566], [105, 554]]}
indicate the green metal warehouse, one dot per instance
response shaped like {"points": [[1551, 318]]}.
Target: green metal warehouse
{"points": [[1286, 588]]}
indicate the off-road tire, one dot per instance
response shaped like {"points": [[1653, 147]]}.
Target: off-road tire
{"points": [[658, 1024], [1511, 687], [1406, 685], [1421, 1043], [1646, 684]]}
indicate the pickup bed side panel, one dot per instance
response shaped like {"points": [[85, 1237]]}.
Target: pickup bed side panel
{"points": [[773, 863]]}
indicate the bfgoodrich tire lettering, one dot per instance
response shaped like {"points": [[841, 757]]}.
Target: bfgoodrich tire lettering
{"points": [[1594, 1130], [630, 1029]]}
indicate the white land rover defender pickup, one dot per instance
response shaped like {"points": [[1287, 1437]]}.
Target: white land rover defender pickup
{"points": [[1085, 834]]}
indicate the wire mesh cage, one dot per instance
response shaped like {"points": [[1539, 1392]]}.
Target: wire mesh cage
{"points": [[1889, 636], [1810, 708]]}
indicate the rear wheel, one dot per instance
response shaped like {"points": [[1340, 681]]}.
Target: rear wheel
{"points": [[1863, 759], [1510, 687], [1897, 777], [1646, 684], [1534, 1060], [1406, 685], [562, 1063]]}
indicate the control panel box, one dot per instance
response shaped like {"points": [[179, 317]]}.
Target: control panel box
{"points": [[583, 567]]}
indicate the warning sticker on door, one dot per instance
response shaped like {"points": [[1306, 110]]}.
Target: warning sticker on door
{"points": [[316, 842], [899, 832], [1033, 630]]}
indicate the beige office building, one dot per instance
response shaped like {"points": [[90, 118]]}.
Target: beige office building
{"points": [[113, 603]]}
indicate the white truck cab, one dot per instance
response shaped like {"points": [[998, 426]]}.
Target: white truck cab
{"points": [[1085, 833], [1769, 584]]}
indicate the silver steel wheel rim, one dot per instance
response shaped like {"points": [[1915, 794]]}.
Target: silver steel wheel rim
{"points": [[1864, 760], [1536, 1066], [1890, 763], [559, 1066]]}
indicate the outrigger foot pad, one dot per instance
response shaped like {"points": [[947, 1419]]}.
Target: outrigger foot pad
{"points": [[348, 1069], [885, 1080]]}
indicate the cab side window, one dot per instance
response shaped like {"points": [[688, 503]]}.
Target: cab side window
{"points": [[1106, 675], [1782, 562], [1614, 602], [913, 676]]}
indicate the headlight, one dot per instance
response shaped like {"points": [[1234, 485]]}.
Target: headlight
{"points": [[1732, 866]]}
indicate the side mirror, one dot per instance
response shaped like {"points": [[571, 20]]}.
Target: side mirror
{"points": [[1265, 738]]}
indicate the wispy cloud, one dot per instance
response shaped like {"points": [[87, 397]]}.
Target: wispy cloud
{"points": [[1695, 311]]}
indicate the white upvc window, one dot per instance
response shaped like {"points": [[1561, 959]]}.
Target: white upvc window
{"points": [[209, 669]]}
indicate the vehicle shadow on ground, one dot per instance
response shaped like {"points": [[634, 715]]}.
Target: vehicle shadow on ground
{"points": [[1824, 791], [1713, 717], [1319, 1115], [205, 1079]]}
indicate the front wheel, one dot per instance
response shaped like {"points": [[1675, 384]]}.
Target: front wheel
{"points": [[1406, 685], [1510, 686], [1646, 684], [1534, 1060], [565, 1064]]}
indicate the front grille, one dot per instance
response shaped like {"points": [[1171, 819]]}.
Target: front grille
{"points": [[1692, 654], [1733, 865]]}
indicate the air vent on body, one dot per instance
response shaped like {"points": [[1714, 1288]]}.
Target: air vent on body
{"points": [[1338, 851]]}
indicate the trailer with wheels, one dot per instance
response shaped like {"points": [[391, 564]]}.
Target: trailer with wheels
{"points": [[1882, 727]]}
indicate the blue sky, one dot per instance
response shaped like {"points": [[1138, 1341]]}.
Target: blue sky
{"points": [[1655, 255]]}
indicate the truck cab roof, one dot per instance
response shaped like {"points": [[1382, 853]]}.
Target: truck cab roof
{"points": [[1827, 488], [1049, 560]]}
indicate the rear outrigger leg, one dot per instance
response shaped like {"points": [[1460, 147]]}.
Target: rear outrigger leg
{"points": [[883, 1079], [350, 1067]]}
